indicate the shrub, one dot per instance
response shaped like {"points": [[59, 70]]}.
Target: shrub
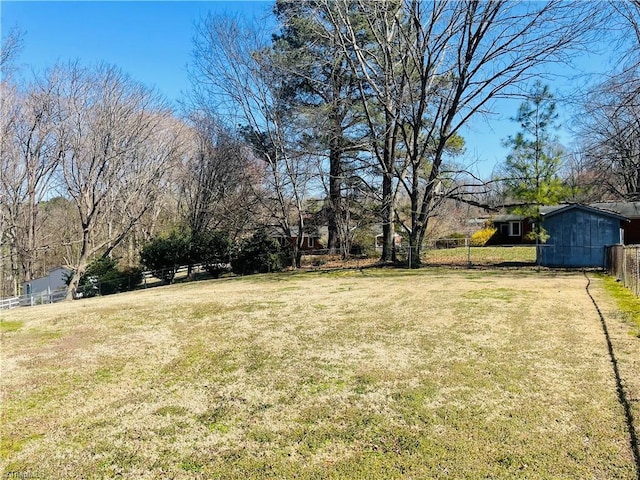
{"points": [[165, 255], [481, 237], [103, 277], [130, 278], [258, 254], [452, 241], [213, 250]]}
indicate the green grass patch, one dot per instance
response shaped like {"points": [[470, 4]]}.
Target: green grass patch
{"points": [[11, 444], [7, 326], [478, 256], [628, 303], [171, 410]]}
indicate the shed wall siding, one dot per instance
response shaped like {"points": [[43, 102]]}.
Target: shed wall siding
{"points": [[578, 238], [55, 281]]}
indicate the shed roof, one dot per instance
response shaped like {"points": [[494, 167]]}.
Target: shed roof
{"points": [[591, 209]]}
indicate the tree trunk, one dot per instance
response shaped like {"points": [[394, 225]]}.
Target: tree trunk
{"points": [[335, 200], [81, 267], [388, 231], [72, 289]]}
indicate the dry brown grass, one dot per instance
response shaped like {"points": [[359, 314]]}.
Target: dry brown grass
{"points": [[380, 374]]}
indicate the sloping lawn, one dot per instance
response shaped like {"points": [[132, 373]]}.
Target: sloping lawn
{"points": [[375, 374]]}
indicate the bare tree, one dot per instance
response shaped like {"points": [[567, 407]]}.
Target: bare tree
{"points": [[609, 120], [9, 270], [215, 180], [9, 50], [627, 15], [59, 234], [426, 69], [9, 114], [234, 77], [611, 132], [31, 153], [119, 143]]}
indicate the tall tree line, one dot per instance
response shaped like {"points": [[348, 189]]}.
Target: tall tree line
{"points": [[360, 105], [606, 162], [386, 85], [94, 137], [95, 164]]}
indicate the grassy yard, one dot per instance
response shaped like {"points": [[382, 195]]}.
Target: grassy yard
{"points": [[480, 256], [431, 373]]}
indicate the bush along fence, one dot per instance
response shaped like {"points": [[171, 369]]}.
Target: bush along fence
{"points": [[624, 263]]}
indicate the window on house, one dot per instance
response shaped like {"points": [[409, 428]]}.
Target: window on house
{"points": [[514, 229], [310, 242]]}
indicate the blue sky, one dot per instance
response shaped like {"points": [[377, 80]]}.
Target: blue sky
{"points": [[152, 42]]}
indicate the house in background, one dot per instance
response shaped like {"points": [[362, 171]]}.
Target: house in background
{"points": [[512, 229], [47, 289], [311, 241], [397, 241], [579, 235]]}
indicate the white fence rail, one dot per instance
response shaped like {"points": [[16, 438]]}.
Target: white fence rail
{"points": [[31, 300], [9, 303]]}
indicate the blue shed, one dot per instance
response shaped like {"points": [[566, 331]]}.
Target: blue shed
{"points": [[578, 236], [40, 290]]}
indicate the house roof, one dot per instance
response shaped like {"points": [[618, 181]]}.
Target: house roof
{"points": [[512, 217], [277, 232], [591, 209], [627, 209], [507, 218]]}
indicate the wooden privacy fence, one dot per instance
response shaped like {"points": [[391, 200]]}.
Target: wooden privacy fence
{"points": [[623, 262]]}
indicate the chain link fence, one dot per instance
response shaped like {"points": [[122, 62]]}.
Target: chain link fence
{"points": [[447, 252], [623, 262]]}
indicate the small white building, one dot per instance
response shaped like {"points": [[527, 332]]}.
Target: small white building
{"points": [[48, 289]]}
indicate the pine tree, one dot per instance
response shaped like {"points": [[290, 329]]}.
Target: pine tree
{"points": [[531, 170]]}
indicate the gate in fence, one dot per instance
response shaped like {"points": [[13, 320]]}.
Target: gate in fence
{"points": [[624, 264]]}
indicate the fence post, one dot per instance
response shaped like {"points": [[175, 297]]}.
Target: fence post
{"points": [[637, 271]]}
